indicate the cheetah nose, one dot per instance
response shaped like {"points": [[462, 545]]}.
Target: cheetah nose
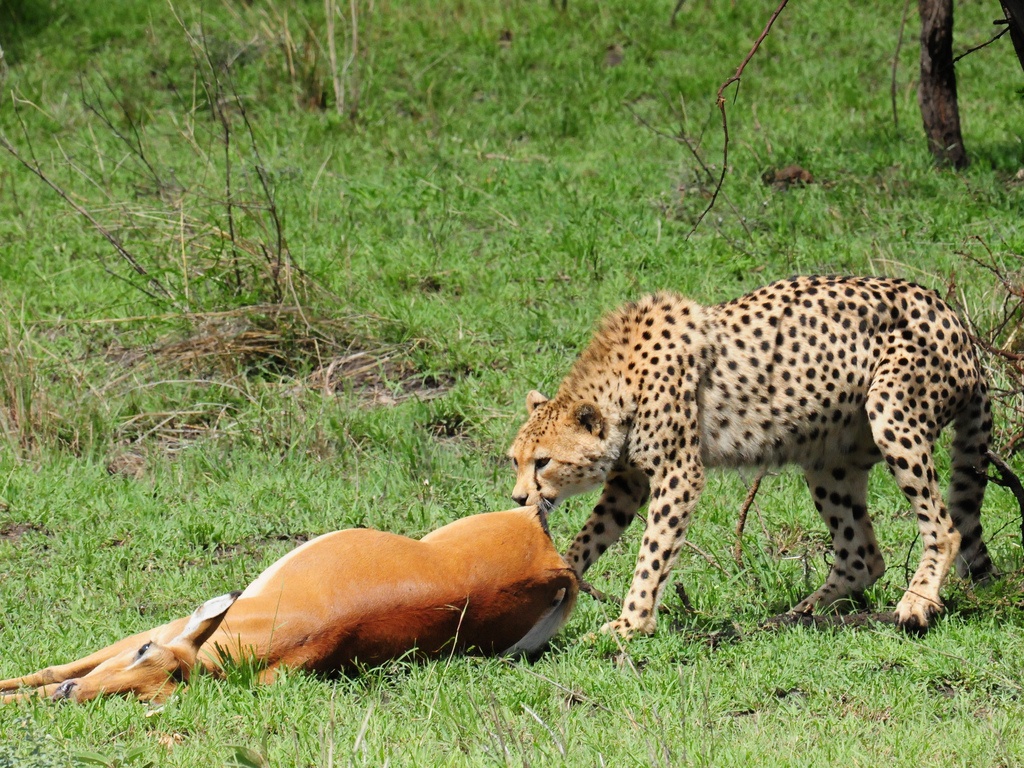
{"points": [[520, 500]]}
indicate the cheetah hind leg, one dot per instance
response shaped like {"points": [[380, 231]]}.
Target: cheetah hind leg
{"points": [[840, 495], [969, 454]]}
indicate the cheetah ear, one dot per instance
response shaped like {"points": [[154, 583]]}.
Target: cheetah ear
{"points": [[533, 399], [588, 416]]}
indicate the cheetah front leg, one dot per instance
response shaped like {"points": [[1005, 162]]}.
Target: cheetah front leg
{"points": [[840, 495], [673, 496], [624, 493]]}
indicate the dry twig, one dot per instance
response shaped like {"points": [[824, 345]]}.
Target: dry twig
{"points": [[207, 234], [737, 549], [720, 103], [1008, 479], [896, 63], [109, 236], [675, 12], [997, 335], [597, 594], [987, 43], [708, 558]]}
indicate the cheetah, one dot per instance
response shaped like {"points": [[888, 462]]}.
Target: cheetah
{"points": [[833, 374]]}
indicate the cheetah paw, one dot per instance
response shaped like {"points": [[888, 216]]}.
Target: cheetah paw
{"points": [[621, 627], [803, 608], [915, 612], [627, 628]]}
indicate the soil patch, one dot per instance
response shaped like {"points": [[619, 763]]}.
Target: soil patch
{"points": [[14, 531]]}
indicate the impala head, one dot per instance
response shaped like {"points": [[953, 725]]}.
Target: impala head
{"points": [[564, 448], [154, 669]]}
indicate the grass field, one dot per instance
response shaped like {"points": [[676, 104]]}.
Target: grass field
{"points": [[330, 303]]}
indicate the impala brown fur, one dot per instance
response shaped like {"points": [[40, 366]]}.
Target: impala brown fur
{"points": [[490, 583]]}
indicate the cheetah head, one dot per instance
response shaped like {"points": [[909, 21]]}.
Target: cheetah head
{"points": [[565, 447]]}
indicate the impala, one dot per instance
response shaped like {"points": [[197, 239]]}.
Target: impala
{"points": [[491, 583]]}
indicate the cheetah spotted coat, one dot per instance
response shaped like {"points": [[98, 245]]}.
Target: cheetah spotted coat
{"points": [[830, 373]]}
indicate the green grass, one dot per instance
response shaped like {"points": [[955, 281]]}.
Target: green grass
{"points": [[492, 195]]}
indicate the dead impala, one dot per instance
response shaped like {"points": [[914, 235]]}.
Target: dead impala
{"points": [[490, 583]]}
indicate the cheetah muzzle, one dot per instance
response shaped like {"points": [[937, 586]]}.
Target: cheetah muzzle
{"points": [[833, 374]]}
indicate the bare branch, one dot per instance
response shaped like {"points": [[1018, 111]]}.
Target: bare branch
{"points": [[737, 549], [675, 12], [1005, 354], [720, 103], [896, 63], [135, 142], [597, 594], [36, 169], [1008, 479], [987, 43], [679, 138], [708, 558]]}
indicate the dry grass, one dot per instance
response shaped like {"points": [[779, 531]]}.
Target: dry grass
{"points": [[21, 408], [203, 245], [996, 328]]}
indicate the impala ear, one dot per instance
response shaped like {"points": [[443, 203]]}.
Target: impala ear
{"points": [[533, 399], [588, 416], [205, 620]]}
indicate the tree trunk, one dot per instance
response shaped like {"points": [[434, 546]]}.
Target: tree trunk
{"points": [[937, 91], [1015, 17]]}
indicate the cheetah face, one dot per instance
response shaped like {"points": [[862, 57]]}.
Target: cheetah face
{"points": [[562, 450]]}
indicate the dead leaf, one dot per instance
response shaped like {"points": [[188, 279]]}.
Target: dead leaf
{"points": [[170, 740], [784, 178]]}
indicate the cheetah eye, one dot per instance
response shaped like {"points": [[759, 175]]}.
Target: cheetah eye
{"points": [[515, 463], [540, 463]]}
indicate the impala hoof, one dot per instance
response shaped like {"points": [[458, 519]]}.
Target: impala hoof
{"points": [[63, 691]]}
